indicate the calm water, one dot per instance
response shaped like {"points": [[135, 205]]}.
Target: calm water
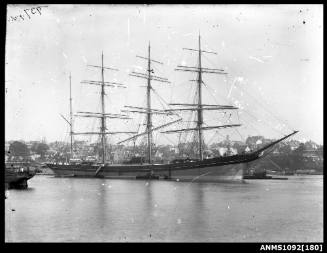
{"points": [[103, 210]]}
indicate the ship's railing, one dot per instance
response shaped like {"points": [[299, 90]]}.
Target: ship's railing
{"points": [[20, 170], [20, 167]]}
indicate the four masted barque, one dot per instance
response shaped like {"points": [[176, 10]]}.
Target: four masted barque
{"points": [[214, 169]]}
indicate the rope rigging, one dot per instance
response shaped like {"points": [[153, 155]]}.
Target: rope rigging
{"points": [[256, 100]]}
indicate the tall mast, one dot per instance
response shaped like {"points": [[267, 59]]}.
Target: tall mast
{"points": [[149, 114], [71, 115], [199, 107], [147, 110], [103, 121], [200, 116], [103, 115]]}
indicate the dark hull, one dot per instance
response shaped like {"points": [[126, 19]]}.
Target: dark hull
{"points": [[14, 179], [209, 170]]}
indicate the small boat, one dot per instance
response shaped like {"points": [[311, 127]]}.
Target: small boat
{"points": [[256, 175], [262, 174], [17, 174]]}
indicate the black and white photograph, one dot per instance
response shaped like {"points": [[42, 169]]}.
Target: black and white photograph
{"points": [[174, 123]]}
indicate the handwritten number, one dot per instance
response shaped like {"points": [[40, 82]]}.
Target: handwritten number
{"points": [[27, 13], [33, 11], [39, 9]]}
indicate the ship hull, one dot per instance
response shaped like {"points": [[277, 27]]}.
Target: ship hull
{"points": [[15, 179], [206, 174], [210, 170], [211, 174]]}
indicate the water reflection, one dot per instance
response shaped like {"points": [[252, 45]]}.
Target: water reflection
{"points": [[101, 210]]}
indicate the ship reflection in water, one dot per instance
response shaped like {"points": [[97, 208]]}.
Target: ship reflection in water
{"points": [[102, 210]]}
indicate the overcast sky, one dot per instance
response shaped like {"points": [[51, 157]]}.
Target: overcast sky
{"points": [[273, 55]]}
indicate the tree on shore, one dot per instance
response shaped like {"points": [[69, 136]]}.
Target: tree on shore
{"points": [[298, 158], [18, 148], [40, 149]]}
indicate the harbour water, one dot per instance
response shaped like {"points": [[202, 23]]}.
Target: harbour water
{"points": [[102, 210]]}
